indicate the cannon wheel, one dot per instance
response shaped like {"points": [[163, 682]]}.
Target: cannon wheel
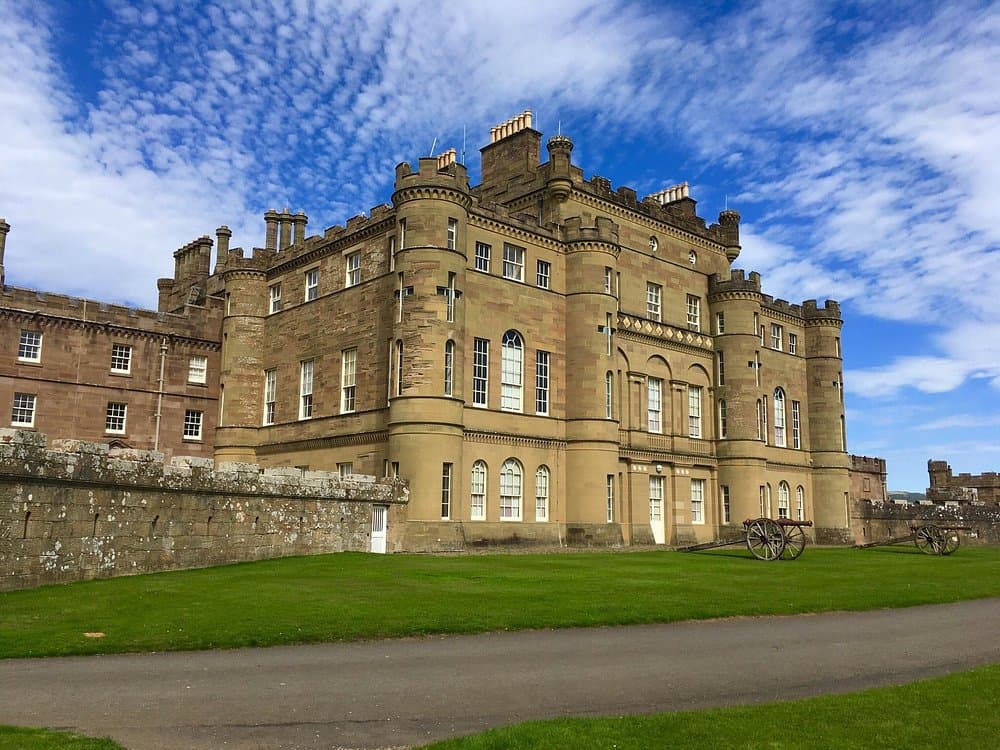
{"points": [[952, 541], [930, 540], [795, 542], [765, 539]]}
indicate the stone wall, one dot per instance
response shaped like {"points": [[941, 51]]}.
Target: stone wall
{"points": [[81, 510], [946, 487], [874, 521]]}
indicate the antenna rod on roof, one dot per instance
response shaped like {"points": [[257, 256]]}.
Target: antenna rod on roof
{"points": [[463, 144], [433, 144], [560, 128]]}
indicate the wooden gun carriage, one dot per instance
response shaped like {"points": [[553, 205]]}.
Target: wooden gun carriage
{"points": [[766, 538], [931, 539]]}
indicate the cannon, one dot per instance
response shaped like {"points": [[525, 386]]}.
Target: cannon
{"points": [[766, 538], [931, 539]]}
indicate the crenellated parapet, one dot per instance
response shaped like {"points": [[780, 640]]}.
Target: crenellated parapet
{"points": [[450, 183], [828, 314], [602, 237], [738, 281]]}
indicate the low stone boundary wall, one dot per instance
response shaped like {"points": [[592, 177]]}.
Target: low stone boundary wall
{"points": [[78, 510], [875, 521]]}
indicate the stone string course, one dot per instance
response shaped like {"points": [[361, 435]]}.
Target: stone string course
{"points": [[77, 510]]}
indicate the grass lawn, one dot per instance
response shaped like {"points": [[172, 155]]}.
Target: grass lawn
{"points": [[353, 595], [958, 711], [15, 738]]}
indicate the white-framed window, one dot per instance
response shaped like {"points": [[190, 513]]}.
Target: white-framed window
{"points": [[720, 322], [608, 332], [800, 503], [198, 369], [763, 410], [193, 420], [726, 508], [480, 371], [654, 297], [449, 367], [446, 470], [399, 367], [511, 371], [836, 343], [779, 417], [542, 493], [777, 335], [477, 499], [723, 425], [483, 257], [513, 262], [352, 271], [793, 343], [697, 501], [306, 369], [693, 312], [694, 411], [756, 368], [760, 419], [721, 358], [392, 253], [609, 385], [449, 294], [348, 380], [121, 358], [312, 284], [511, 483], [607, 279], [452, 234], [784, 500], [29, 348], [22, 413], [274, 298], [609, 499], [541, 382], [762, 342], [543, 272], [402, 233], [796, 426], [114, 419], [654, 404], [345, 469], [656, 498], [270, 395]]}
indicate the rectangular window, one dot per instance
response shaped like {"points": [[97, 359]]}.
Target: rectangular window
{"points": [[23, 412], [722, 367], [392, 253], [446, 491], [480, 371], [353, 270], [121, 358], [609, 383], [306, 389], [656, 498], [694, 411], [270, 394], [610, 499], [192, 424], [513, 262], [452, 234], [725, 504], [478, 492], [345, 469], [756, 368], [720, 322], [399, 367], [449, 367], [541, 382], [723, 426], [483, 257], [197, 369], [542, 274], [274, 297], [654, 393], [793, 343], [654, 295], [449, 294], [836, 342], [607, 280], [796, 432], [402, 233], [693, 313], [312, 284], [348, 379], [697, 501], [114, 421], [30, 347], [776, 337]]}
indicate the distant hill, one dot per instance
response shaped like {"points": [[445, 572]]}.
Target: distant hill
{"points": [[899, 496]]}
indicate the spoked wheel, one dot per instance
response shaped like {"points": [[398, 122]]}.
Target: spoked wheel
{"points": [[951, 542], [930, 540], [795, 542], [765, 539]]}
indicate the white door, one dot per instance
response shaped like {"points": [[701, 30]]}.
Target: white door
{"points": [[656, 509], [380, 525]]}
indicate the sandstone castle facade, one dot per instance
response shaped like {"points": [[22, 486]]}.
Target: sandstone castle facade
{"points": [[544, 359]]}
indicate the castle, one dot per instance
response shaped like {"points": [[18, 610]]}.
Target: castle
{"points": [[544, 359]]}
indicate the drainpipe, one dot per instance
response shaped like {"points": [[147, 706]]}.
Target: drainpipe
{"points": [[159, 394]]}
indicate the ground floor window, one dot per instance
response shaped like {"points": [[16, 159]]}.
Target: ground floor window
{"points": [[511, 482]]}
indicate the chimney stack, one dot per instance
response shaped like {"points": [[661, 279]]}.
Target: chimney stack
{"points": [[271, 233], [285, 224], [4, 228], [300, 220]]}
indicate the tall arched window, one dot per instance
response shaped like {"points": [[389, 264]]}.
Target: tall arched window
{"points": [[800, 503], [542, 493], [779, 417], [783, 500], [511, 371], [511, 483], [478, 494]]}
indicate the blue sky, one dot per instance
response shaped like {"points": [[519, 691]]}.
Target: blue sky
{"points": [[858, 140]]}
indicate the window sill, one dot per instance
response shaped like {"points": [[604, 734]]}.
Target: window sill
{"points": [[120, 373], [29, 362], [191, 439]]}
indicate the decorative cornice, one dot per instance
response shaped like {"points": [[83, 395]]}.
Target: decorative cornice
{"points": [[334, 246], [650, 331], [64, 321], [360, 438], [497, 438], [431, 192], [834, 322], [592, 246], [481, 220], [743, 294], [668, 457]]}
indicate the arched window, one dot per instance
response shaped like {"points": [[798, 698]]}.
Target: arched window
{"points": [[511, 371], [449, 367], [722, 418], [783, 500], [609, 384], [542, 493], [478, 495], [511, 482], [779, 417], [800, 503]]}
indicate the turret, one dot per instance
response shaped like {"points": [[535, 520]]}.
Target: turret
{"points": [[559, 182], [729, 230]]}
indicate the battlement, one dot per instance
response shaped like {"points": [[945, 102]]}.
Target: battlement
{"points": [[868, 464], [738, 281], [829, 311], [781, 306], [604, 230], [429, 173]]}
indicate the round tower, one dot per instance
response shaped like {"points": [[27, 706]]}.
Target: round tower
{"points": [[428, 345]]}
